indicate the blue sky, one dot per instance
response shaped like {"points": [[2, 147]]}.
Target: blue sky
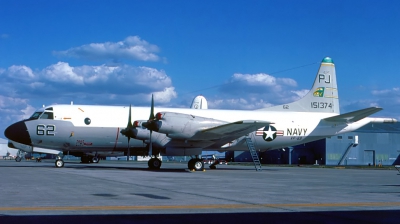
{"points": [[120, 52]]}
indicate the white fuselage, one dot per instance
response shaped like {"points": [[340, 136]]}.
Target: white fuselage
{"points": [[68, 130]]}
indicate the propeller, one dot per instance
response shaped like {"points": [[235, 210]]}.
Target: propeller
{"points": [[151, 125], [151, 118], [128, 131]]}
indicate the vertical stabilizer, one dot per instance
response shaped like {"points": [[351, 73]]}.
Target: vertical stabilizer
{"points": [[323, 96]]}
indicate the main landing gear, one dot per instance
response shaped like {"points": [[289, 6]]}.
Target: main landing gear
{"points": [[89, 159], [196, 164], [154, 163]]}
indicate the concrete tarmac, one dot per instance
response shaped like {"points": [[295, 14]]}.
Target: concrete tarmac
{"points": [[127, 192]]}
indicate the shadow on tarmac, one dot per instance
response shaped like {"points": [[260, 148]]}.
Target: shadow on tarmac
{"points": [[372, 216], [121, 166]]}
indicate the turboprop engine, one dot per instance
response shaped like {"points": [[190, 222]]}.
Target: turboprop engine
{"points": [[180, 126], [139, 131]]}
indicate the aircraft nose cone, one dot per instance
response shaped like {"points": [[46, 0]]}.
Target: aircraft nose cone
{"points": [[18, 132]]}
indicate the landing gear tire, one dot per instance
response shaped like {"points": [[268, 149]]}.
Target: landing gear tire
{"points": [[196, 164], [199, 165], [59, 163], [95, 160], [213, 167], [154, 163], [191, 164], [18, 159]]}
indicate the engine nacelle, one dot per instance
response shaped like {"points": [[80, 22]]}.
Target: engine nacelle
{"points": [[183, 126], [141, 134]]}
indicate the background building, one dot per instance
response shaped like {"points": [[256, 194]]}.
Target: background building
{"points": [[374, 144]]}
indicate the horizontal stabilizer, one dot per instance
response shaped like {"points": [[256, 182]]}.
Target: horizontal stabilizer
{"points": [[354, 116], [231, 130]]}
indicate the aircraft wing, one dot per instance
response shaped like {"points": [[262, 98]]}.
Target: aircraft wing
{"points": [[353, 116], [229, 132]]}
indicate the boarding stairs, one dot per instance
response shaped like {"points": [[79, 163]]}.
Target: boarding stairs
{"points": [[253, 153], [345, 154]]}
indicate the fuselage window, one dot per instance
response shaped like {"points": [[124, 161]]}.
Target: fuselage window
{"points": [[47, 115]]}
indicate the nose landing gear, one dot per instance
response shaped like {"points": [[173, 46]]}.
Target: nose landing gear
{"points": [[59, 160]]}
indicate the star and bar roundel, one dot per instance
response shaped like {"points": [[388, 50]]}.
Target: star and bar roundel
{"points": [[269, 133]]}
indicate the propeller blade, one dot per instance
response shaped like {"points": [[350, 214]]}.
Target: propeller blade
{"points": [[128, 132], [152, 108], [129, 149], [151, 118], [151, 145], [130, 117]]}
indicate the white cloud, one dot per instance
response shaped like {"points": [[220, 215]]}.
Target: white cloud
{"points": [[256, 79], [37, 85], [257, 91], [262, 79], [287, 82], [166, 95], [100, 84], [62, 73], [388, 92], [6, 101], [132, 48], [238, 103], [388, 99], [21, 72], [13, 109], [301, 93], [28, 111]]}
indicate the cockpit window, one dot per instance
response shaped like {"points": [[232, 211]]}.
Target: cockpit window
{"points": [[35, 115], [47, 115], [42, 115]]}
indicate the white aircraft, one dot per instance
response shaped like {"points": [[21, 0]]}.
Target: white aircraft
{"points": [[92, 129]]}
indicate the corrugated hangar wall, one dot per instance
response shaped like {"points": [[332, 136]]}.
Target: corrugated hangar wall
{"points": [[372, 149]]}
